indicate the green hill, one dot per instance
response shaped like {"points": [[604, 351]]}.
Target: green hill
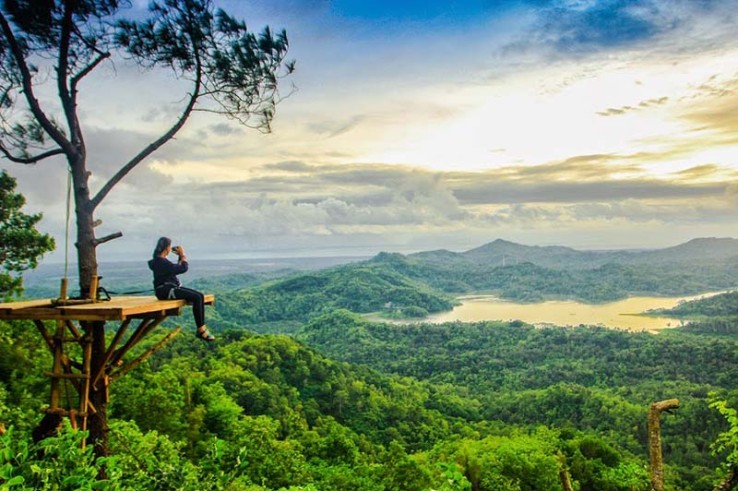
{"points": [[366, 287]]}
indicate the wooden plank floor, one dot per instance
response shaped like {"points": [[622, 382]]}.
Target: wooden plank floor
{"points": [[115, 309]]}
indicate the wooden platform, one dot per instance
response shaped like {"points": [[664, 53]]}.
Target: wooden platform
{"points": [[115, 309]]}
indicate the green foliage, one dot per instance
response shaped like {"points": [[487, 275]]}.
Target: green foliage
{"points": [[21, 245], [149, 460], [721, 305], [727, 442], [715, 314], [494, 355], [58, 464]]}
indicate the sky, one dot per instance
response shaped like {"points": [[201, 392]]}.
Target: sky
{"points": [[421, 125]]}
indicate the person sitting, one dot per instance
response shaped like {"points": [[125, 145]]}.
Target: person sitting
{"points": [[167, 285]]}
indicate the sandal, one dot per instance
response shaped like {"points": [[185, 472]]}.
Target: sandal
{"points": [[204, 334]]}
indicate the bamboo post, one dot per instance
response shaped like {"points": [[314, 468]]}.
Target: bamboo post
{"points": [[44, 334], [56, 371], [146, 326], [93, 288], [654, 441], [85, 393], [73, 329], [63, 289]]}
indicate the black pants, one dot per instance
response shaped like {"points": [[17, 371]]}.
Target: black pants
{"points": [[194, 297]]}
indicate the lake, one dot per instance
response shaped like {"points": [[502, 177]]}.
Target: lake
{"points": [[622, 314]]}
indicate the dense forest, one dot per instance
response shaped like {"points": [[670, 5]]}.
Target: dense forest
{"points": [[301, 392]]}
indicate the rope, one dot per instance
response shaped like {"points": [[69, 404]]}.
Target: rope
{"points": [[66, 231], [129, 292]]}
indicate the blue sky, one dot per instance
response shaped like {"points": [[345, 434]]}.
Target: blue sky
{"points": [[423, 125]]}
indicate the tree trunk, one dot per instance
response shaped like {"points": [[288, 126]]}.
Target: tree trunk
{"points": [[86, 253], [97, 423], [654, 441]]}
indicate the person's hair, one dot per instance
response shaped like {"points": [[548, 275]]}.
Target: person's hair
{"points": [[162, 244]]}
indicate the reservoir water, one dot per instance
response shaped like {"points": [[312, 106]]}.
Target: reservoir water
{"points": [[622, 314]]}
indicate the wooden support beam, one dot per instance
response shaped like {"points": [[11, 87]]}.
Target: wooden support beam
{"points": [[118, 354], [70, 376], [57, 364], [69, 363], [73, 329], [111, 350], [45, 334], [654, 441], [149, 328], [85, 393], [62, 412], [142, 330], [163, 342]]}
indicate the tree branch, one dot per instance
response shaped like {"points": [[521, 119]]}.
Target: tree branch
{"points": [[151, 148], [62, 70], [30, 160], [83, 73], [27, 82], [107, 238]]}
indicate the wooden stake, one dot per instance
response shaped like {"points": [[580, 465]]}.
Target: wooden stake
{"points": [[654, 441], [63, 290], [45, 334], [57, 366], [86, 362], [93, 288]]}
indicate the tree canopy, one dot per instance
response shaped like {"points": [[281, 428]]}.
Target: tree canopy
{"points": [[21, 245]]}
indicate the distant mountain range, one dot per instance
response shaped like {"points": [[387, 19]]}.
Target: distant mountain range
{"points": [[504, 253], [422, 283]]}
